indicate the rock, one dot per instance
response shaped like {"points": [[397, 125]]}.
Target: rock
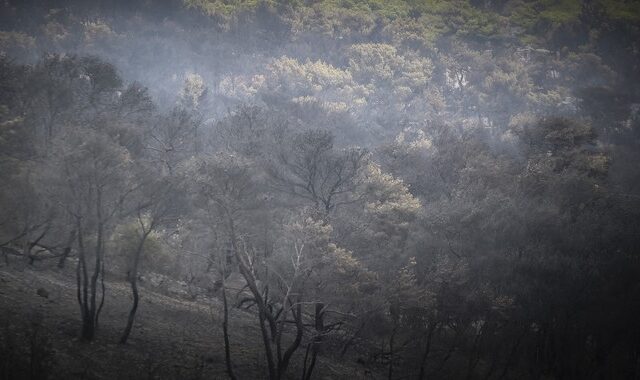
{"points": [[42, 292]]}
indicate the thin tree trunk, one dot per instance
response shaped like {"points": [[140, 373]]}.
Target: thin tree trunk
{"points": [[88, 327], [63, 259], [79, 287], [90, 321], [512, 354], [286, 357], [427, 349], [67, 250], [306, 356], [133, 281], [317, 340], [30, 246], [262, 308], [82, 278], [391, 353], [132, 312], [474, 356], [267, 345], [270, 327], [349, 342], [225, 332], [103, 289]]}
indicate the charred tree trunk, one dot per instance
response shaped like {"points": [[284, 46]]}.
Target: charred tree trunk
{"points": [[103, 291], [67, 250], [33, 244], [391, 351], [351, 339], [133, 281], [225, 331], [134, 308], [88, 286], [82, 283], [427, 350], [271, 326], [283, 364], [316, 343], [93, 307]]}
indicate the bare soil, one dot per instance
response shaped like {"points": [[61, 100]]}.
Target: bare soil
{"points": [[173, 337]]}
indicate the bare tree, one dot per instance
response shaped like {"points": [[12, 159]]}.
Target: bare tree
{"points": [[91, 178], [228, 189], [148, 215], [313, 170]]}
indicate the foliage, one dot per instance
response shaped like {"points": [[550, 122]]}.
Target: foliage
{"points": [[434, 189]]}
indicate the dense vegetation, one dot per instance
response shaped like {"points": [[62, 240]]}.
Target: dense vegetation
{"points": [[436, 189]]}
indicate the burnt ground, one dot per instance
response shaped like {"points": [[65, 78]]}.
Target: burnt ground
{"points": [[173, 337]]}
